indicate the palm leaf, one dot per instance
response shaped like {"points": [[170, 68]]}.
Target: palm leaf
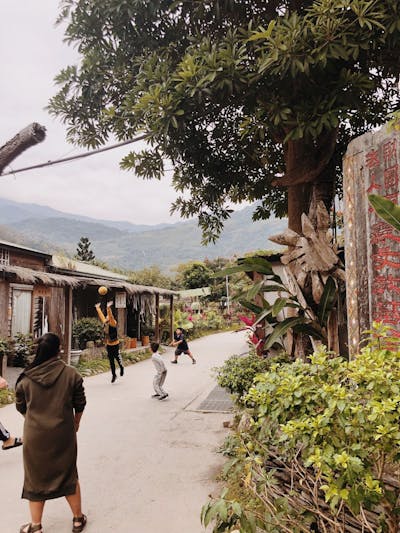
{"points": [[386, 209]]}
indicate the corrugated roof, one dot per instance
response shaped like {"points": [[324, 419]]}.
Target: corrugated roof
{"points": [[80, 267], [23, 248], [192, 293]]}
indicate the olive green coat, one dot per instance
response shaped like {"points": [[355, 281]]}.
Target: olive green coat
{"points": [[49, 395]]}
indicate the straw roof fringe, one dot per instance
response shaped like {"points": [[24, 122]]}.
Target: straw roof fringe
{"points": [[28, 275]]}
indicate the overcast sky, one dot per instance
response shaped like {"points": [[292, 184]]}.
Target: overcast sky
{"points": [[32, 52]]}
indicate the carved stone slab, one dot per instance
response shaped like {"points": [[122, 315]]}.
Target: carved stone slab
{"points": [[372, 247]]}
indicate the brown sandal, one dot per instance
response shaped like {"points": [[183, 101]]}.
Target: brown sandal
{"points": [[31, 528], [82, 521]]}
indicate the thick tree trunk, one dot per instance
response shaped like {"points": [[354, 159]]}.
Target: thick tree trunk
{"points": [[309, 175], [29, 136]]}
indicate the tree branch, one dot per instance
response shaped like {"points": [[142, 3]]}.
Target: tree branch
{"points": [[29, 136]]}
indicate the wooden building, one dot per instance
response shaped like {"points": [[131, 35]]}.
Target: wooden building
{"points": [[40, 293]]}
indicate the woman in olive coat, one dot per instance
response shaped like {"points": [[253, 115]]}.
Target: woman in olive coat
{"points": [[51, 396]]}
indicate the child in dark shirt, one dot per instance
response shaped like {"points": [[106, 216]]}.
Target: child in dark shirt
{"points": [[181, 346]]}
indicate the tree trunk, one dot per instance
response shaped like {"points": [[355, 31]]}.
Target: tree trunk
{"points": [[29, 136], [309, 175]]}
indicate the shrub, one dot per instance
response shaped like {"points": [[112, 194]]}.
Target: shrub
{"points": [[7, 396], [23, 350], [87, 329], [5, 347], [238, 372], [323, 446]]}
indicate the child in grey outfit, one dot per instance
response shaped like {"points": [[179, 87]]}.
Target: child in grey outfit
{"points": [[159, 378]]}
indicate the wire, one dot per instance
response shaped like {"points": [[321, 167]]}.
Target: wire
{"points": [[72, 158]]}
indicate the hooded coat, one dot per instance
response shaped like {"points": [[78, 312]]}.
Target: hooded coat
{"points": [[48, 395]]}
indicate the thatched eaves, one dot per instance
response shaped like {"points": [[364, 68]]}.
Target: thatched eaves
{"points": [[76, 280]]}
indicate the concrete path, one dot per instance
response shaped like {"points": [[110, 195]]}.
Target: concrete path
{"points": [[145, 466]]}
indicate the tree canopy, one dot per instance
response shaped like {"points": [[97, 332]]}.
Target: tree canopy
{"points": [[84, 251], [249, 99]]}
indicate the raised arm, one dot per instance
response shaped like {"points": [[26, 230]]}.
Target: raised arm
{"points": [[110, 316], [100, 314]]}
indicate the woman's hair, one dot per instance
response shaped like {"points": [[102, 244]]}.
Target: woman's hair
{"points": [[48, 346]]}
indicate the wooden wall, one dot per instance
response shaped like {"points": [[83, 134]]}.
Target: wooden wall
{"points": [[4, 308], [26, 260]]}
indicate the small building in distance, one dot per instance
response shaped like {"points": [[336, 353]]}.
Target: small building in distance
{"points": [[41, 293]]}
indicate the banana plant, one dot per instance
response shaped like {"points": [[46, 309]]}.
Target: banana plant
{"points": [[386, 210], [306, 321]]}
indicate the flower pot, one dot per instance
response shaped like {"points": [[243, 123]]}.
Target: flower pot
{"points": [[145, 340], [75, 357], [133, 343]]}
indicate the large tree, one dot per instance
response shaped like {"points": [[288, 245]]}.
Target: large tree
{"points": [[249, 99]]}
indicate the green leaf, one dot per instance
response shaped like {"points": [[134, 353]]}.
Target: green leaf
{"points": [[281, 329], [327, 302], [256, 309], [386, 209], [279, 304]]}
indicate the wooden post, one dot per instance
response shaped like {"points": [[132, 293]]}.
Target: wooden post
{"points": [[157, 325], [171, 320], [3, 365], [121, 322], [68, 325]]}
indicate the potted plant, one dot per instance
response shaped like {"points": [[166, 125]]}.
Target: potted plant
{"points": [[146, 331]]}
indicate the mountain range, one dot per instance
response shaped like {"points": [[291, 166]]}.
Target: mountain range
{"points": [[132, 246]]}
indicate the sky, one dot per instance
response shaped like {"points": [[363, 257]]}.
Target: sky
{"points": [[32, 52]]}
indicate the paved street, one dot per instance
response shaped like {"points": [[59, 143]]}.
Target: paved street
{"points": [[145, 466]]}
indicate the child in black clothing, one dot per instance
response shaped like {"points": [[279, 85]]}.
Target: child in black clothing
{"points": [[181, 346]]}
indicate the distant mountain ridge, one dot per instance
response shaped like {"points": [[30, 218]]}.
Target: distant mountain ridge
{"points": [[12, 212], [132, 246]]}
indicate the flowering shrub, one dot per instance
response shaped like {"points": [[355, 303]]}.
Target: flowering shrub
{"points": [[322, 449]]}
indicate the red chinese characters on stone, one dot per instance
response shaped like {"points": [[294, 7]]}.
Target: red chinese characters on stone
{"points": [[387, 312], [385, 258], [390, 153], [372, 159], [380, 231], [391, 178]]}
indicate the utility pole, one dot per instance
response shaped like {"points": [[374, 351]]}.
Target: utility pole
{"points": [[227, 294]]}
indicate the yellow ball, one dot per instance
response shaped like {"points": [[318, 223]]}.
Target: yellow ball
{"points": [[102, 290]]}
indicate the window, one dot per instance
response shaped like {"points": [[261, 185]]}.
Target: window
{"points": [[4, 257]]}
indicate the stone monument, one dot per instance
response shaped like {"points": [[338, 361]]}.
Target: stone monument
{"points": [[372, 247]]}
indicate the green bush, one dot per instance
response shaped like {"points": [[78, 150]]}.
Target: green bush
{"points": [[7, 396], [238, 372], [5, 347], [23, 349], [87, 329], [331, 429]]}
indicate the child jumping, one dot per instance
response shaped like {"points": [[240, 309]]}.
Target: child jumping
{"points": [[181, 346], [111, 339], [159, 378]]}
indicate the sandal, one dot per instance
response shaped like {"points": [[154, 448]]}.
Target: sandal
{"points": [[17, 442], [82, 521], [31, 528]]}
